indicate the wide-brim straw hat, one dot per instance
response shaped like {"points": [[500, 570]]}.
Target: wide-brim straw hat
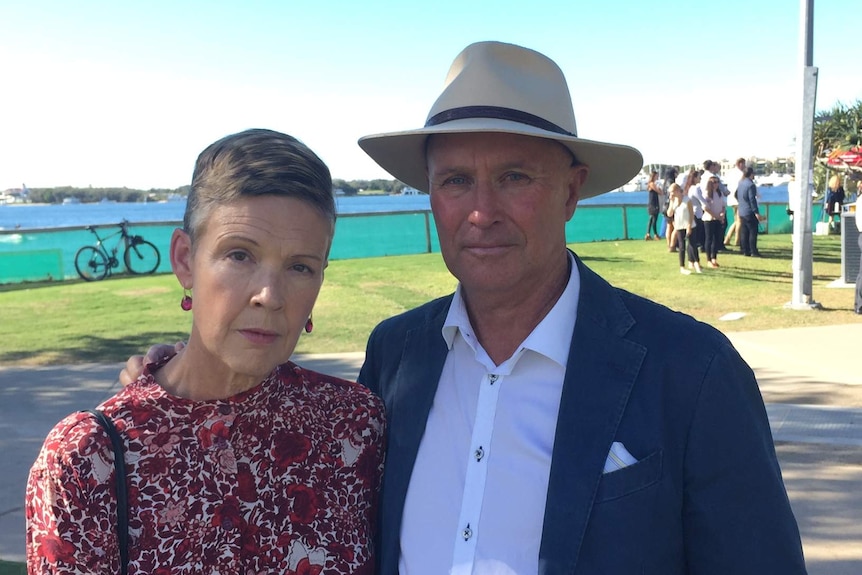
{"points": [[497, 87]]}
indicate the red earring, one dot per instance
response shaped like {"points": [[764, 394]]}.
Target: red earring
{"points": [[309, 325], [186, 302]]}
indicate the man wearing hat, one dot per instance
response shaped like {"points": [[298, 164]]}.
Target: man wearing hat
{"points": [[537, 423]]}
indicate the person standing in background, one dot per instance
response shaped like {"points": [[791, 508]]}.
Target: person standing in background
{"points": [[683, 215], [669, 180], [749, 214], [834, 199], [858, 304], [714, 169], [731, 236], [653, 205], [695, 193], [713, 219]]}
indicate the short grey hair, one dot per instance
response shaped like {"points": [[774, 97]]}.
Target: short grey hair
{"points": [[257, 162]]}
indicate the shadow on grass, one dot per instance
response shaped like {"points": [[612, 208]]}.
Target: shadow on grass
{"points": [[26, 285], [95, 349], [749, 274], [34, 285], [821, 252], [612, 260]]}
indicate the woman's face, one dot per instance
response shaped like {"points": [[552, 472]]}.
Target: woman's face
{"points": [[255, 272]]}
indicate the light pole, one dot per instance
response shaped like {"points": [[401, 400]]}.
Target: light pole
{"points": [[803, 258]]}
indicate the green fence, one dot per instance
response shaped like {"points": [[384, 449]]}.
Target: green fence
{"points": [[49, 254]]}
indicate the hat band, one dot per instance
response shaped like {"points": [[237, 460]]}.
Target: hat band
{"points": [[496, 113]]}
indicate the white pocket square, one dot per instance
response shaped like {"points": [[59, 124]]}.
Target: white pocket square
{"points": [[618, 457]]}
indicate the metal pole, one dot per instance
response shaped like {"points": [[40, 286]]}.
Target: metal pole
{"points": [[803, 253]]}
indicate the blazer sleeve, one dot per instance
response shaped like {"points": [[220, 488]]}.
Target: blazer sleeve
{"points": [[736, 514], [755, 209]]}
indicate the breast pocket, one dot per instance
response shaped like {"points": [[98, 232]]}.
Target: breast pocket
{"points": [[630, 479]]}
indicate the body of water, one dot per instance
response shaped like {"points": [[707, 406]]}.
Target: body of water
{"points": [[39, 216]]}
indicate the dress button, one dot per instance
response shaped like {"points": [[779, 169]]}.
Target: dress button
{"points": [[224, 409]]}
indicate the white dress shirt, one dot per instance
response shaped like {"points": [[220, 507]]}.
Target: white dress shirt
{"points": [[695, 193], [475, 504], [734, 176]]}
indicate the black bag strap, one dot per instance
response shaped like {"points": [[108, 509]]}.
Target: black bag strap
{"points": [[122, 499]]}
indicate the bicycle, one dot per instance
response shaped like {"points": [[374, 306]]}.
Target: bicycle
{"points": [[95, 263]]}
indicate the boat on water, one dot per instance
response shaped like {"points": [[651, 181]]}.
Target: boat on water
{"points": [[71, 200], [408, 191], [636, 184]]}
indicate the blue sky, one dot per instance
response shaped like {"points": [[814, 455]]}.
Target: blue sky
{"points": [[127, 94]]}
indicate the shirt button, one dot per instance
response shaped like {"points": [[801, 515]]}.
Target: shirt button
{"points": [[224, 409], [479, 453], [493, 378], [467, 533]]}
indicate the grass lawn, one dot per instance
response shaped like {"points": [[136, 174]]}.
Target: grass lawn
{"points": [[75, 322]]}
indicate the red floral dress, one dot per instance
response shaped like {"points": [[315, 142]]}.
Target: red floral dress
{"points": [[282, 478]]}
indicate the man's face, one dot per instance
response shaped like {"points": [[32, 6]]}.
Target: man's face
{"points": [[500, 203]]}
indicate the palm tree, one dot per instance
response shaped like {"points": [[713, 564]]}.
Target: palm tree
{"points": [[837, 129]]}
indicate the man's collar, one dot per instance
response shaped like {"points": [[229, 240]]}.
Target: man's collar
{"points": [[551, 338]]}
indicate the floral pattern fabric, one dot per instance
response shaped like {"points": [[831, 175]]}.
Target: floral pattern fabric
{"points": [[282, 478]]}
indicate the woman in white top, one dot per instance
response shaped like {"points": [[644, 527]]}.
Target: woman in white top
{"points": [[683, 223], [695, 193], [714, 207]]}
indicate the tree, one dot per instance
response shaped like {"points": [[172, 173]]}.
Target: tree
{"points": [[345, 187], [839, 128]]}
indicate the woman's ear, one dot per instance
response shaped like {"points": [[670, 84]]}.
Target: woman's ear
{"points": [[181, 258]]}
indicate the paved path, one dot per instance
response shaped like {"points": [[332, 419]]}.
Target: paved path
{"points": [[814, 402]]}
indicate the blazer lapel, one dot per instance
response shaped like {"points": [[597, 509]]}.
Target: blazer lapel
{"points": [[600, 373], [413, 391]]}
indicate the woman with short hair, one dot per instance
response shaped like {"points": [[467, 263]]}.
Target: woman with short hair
{"points": [[238, 461]]}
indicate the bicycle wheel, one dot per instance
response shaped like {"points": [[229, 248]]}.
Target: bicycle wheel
{"points": [[91, 264], [141, 257]]}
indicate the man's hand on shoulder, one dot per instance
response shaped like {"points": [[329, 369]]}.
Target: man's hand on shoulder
{"points": [[135, 364]]}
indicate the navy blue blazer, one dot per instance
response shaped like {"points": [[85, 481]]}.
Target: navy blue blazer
{"points": [[746, 195], [706, 495]]}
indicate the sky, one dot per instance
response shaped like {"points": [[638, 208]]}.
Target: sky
{"points": [[108, 94]]}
